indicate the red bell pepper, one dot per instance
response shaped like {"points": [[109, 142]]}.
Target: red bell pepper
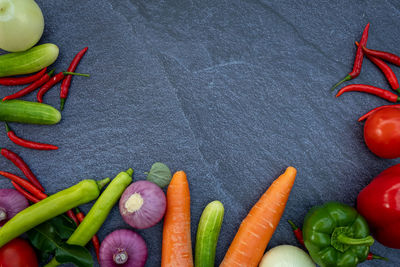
{"points": [[379, 203]]}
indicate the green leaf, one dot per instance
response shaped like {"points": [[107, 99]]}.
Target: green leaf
{"points": [[159, 174], [48, 238], [77, 255]]}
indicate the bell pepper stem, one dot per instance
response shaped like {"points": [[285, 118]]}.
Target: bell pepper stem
{"points": [[103, 182], [355, 241]]}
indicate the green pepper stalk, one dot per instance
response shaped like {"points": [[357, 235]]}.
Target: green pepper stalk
{"points": [[52, 206], [335, 235], [99, 212]]}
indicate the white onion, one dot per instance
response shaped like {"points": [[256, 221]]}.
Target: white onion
{"points": [[286, 256]]}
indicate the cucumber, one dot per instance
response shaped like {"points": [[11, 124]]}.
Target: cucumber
{"points": [[28, 112], [207, 234], [28, 61]]}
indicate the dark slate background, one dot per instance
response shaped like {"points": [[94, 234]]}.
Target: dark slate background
{"points": [[232, 92]]}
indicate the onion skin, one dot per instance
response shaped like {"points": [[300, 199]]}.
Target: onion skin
{"points": [[12, 202], [123, 240], [151, 211]]}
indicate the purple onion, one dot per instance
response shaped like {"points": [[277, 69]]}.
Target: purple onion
{"points": [[123, 248], [142, 204], [11, 202]]}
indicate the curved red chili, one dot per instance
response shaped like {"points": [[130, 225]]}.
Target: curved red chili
{"points": [[366, 115], [297, 232], [22, 80], [392, 58], [27, 195], [53, 81], [26, 143], [382, 93], [387, 71], [67, 81], [31, 87], [20, 163], [357, 61], [25, 184]]}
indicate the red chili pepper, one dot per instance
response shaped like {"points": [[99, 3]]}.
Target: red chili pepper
{"points": [[382, 93], [357, 61], [22, 80], [299, 236], [25, 184], [20, 163], [71, 214], [53, 81], [95, 239], [387, 71], [27, 195], [67, 81], [297, 232], [31, 87], [392, 58], [26, 143], [366, 115]]}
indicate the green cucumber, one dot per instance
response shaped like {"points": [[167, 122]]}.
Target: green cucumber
{"points": [[28, 61], [28, 112], [207, 234]]}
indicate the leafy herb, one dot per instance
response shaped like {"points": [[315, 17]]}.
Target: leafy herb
{"points": [[49, 239]]}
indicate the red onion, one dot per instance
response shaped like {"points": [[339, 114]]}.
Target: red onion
{"points": [[11, 202], [142, 204], [123, 248]]}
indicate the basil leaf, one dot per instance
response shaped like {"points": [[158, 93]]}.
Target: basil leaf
{"points": [[77, 255]]}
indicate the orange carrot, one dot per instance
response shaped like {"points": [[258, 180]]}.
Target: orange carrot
{"points": [[176, 243], [257, 228]]}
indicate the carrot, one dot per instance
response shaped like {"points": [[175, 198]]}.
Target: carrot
{"points": [[176, 243], [251, 240]]}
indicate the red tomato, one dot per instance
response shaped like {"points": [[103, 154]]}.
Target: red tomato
{"points": [[382, 132], [18, 253]]}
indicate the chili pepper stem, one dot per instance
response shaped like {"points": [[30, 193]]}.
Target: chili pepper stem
{"points": [[76, 74], [3, 214], [347, 78], [377, 257], [103, 182], [129, 171], [355, 241], [294, 227], [62, 102]]}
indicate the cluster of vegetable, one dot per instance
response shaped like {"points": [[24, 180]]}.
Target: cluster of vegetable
{"points": [[381, 130]]}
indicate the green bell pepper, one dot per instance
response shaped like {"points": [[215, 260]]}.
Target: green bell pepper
{"points": [[336, 235]]}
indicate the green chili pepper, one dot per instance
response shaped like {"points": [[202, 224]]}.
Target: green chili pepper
{"points": [[99, 212], [52, 206], [336, 235]]}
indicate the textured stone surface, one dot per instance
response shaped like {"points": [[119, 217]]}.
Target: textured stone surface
{"points": [[232, 92]]}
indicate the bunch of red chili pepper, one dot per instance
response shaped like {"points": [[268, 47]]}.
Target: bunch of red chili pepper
{"points": [[378, 58], [34, 191], [45, 81]]}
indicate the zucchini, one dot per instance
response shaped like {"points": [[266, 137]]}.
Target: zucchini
{"points": [[28, 61], [207, 234], [28, 112]]}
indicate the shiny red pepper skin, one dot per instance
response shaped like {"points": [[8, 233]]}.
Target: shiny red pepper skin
{"points": [[358, 60], [389, 57], [379, 203], [382, 93], [387, 71], [67, 81], [26, 143], [31, 87], [22, 80], [48, 85], [20, 163], [366, 115]]}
